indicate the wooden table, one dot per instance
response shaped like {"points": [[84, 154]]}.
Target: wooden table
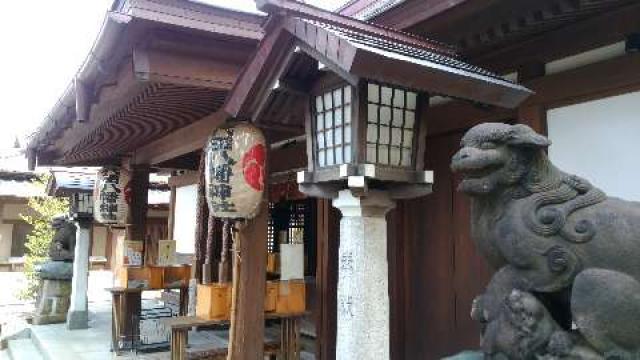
{"points": [[289, 334], [125, 313]]}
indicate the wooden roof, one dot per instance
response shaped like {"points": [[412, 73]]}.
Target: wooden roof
{"points": [[504, 35], [155, 67], [359, 50]]}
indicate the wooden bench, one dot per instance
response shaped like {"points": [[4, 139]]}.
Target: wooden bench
{"points": [[287, 347], [271, 349]]}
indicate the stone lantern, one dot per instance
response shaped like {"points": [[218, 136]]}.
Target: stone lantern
{"points": [[366, 137], [364, 94], [366, 151]]}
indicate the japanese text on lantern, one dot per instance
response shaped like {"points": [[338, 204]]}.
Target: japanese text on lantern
{"points": [[221, 172], [109, 195]]}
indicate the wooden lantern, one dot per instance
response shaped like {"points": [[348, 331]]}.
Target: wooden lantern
{"points": [[365, 135]]}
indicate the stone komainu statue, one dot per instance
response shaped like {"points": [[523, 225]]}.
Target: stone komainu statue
{"points": [[567, 257], [64, 241]]}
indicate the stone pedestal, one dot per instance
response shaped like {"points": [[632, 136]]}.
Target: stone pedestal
{"points": [[78, 317], [363, 290], [53, 302]]}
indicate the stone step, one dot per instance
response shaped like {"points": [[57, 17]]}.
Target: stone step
{"points": [[23, 349]]}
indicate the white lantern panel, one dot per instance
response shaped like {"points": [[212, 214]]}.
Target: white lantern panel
{"points": [[328, 103], [347, 114], [321, 158], [337, 97], [235, 171], [409, 119], [337, 118], [398, 118], [406, 157], [385, 95], [338, 152], [385, 115], [411, 100], [329, 159], [408, 138], [338, 136], [371, 153], [319, 121], [396, 136], [373, 92], [328, 119], [395, 156], [398, 98], [384, 135], [320, 137], [383, 154], [372, 113], [319, 107], [347, 95], [372, 133]]}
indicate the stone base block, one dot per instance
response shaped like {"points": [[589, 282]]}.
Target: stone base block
{"points": [[53, 302], [77, 320]]}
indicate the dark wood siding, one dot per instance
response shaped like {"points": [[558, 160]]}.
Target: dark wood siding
{"points": [[439, 273]]}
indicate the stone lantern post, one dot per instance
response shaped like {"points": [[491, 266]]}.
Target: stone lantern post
{"points": [[366, 153]]}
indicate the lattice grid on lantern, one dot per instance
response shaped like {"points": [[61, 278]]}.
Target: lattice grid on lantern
{"points": [[333, 127], [391, 125]]}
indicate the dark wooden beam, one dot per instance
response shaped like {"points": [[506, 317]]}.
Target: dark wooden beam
{"points": [[606, 78], [188, 178], [530, 71], [171, 221], [172, 67], [274, 49], [599, 30], [83, 101], [185, 140], [414, 12]]}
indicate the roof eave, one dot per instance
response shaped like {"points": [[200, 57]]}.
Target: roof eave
{"points": [[433, 78]]}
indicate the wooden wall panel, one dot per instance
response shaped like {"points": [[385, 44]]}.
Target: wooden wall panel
{"points": [[439, 272]]}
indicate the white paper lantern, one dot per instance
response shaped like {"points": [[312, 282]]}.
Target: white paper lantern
{"points": [[111, 196], [235, 171]]}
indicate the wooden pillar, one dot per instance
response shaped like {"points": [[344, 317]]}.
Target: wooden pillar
{"points": [[535, 116], [172, 213], [246, 340], [531, 114], [137, 214], [328, 242]]}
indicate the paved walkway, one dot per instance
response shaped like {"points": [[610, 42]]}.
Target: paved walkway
{"points": [[55, 342]]}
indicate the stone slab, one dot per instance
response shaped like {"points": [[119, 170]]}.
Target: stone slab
{"points": [[23, 349]]}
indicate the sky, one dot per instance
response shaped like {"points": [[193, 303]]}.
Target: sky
{"points": [[43, 44]]}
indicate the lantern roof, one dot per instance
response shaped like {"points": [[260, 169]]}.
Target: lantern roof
{"points": [[356, 50]]}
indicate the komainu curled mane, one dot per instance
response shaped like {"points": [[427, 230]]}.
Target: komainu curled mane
{"points": [[567, 257]]}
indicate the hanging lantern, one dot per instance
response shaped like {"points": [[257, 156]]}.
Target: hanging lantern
{"points": [[235, 171], [111, 196]]}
